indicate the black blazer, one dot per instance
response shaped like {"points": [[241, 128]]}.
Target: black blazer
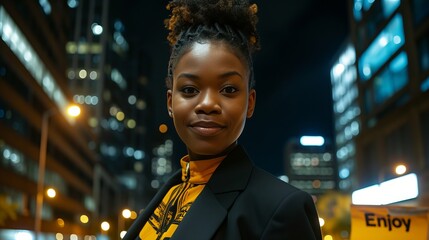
{"points": [[241, 201]]}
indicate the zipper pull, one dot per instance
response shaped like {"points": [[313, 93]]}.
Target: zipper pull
{"points": [[187, 171]]}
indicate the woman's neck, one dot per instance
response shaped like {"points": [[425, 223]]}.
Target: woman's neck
{"points": [[197, 157]]}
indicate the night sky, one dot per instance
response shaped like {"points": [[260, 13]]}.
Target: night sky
{"points": [[299, 40]]}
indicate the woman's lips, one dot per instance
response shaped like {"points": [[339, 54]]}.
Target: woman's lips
{"points": [[207, 128]]}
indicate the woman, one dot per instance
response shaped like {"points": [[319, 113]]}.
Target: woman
{"points": [[218, 193]]}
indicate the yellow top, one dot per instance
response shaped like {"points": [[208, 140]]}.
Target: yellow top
{"points": [[178, 200]]}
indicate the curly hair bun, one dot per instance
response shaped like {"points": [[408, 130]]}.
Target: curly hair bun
{"points": [[238, 14]]}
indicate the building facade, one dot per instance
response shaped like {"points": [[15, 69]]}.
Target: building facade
{"points": [[346, 115], [391, 39], [34, 89], [311, 167]]}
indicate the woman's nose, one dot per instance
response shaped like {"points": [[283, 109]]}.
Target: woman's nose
{"points": [[208, 103]]}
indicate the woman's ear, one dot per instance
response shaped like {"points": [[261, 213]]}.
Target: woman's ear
{"points": [[251, 102], [169, 103]]}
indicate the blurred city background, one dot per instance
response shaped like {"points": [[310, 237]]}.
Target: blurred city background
{"points": [[342, 105]]}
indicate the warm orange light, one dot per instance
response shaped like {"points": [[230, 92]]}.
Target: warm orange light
{"points": [[60, 222], [59, 236], [131, 123], [51, 192], [400, 169], [126, 213], [316, 183], [105, 226], [163, 128], [120, 116], [328, 237], [73, 111], [133, 215], [84, 218]]}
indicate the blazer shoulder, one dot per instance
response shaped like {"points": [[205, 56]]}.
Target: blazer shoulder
{"points": [[272, 183]]}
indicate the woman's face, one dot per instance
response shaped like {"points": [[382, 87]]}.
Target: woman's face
{"points": [[210, 99]]}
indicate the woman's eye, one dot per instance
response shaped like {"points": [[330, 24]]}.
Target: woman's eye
{"points": [[229, 89], [189, 90]]}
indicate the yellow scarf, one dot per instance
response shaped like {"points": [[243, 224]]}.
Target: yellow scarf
{"points": [[178, 200]]}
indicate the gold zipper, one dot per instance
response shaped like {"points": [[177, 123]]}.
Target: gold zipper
{"points": [[187, 171]]}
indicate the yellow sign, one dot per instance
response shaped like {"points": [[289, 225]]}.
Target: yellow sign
{"points": [[389, 223]]}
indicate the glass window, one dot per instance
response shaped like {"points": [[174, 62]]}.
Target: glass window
{"points": [[13, 119], [11, 34], [423, 50], [368, 29], [399, 148], [359, 6], [420, 10], [424, 120], [380, 11], [384, 46], [13, 200], [357, 9], [425, 85], [389, 6], [392, 79], [370, 165], [368, 100], [367, 4], [13, 159]]}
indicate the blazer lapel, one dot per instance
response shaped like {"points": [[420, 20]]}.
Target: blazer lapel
{"points": [[211, 207], [136, 227], [202, 220]]}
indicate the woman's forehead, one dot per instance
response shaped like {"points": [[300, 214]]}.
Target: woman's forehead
{"points": [[201, 48]]}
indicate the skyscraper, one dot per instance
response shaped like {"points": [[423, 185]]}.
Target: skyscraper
{"points": [[52, 55], [346, 114], [34, 94], [310, 165], [391, 40]]}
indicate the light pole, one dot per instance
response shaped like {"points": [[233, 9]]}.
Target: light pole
{"points": [[72, 111]]}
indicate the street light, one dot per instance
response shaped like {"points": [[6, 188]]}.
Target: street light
{"points": [[51, 192], [72, 111], [400, 169], [126, 214], [105, 226]]}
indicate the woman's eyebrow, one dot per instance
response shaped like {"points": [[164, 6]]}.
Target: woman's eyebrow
{"points": [[195, 77], [231, 73], [188, 76]]}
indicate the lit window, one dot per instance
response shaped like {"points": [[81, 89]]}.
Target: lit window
{"points": [[344, 173], [132, 99], [389, 6], [19, 45], [93, 75], [367, 4], [46, 6], [82, 73], [97, 29], [72, 3], [392, 79], [357, 9], [383, 47]]}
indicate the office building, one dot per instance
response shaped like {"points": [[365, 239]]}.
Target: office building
{"points": [[34, 90], [346, 114], [310, 165], [391, 38]]}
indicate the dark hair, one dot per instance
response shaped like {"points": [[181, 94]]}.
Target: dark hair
{"points": [[230, 21]]}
